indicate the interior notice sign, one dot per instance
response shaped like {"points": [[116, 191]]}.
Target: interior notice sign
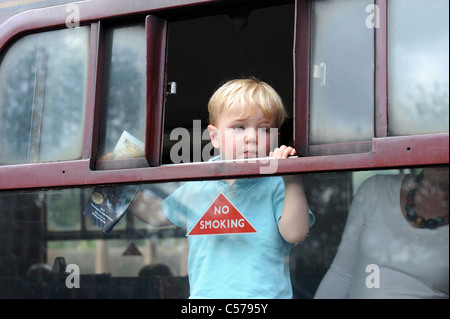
{"points": [[222, 218]]}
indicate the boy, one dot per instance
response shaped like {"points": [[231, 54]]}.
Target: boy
{"points": [[241, 265]]}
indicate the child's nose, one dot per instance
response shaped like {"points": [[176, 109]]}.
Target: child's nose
{"points": [[251, 135]]}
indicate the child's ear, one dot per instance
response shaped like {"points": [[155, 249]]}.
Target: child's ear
{"points": [[214, 135]]}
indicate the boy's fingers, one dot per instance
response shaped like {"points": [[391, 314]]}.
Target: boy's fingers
{"points": [[288, 152], [283, 152], [293, 152]]}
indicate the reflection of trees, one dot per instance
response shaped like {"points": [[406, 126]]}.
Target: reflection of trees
{"points": [[422, 110], [64, 68], [64, 97], [64, 208], [17, 86], [124, 98], [63, 64], [430, 103]]}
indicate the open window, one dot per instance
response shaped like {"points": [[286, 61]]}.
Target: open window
{"points": [[205, 52]]}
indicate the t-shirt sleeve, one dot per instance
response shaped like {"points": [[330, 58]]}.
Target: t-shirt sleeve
{"points": [[278, 198]]}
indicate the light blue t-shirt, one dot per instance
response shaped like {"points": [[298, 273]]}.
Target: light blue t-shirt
{"points": [[250, 265]]}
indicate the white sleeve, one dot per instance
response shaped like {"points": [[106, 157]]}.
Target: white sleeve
{"points": [[337, 281]]}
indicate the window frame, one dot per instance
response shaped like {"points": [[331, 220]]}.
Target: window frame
{"points": [[385, 152], [380, 103], [155, 37]]}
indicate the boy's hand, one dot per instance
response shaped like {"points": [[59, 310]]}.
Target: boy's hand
{"points": [[283, 152]]}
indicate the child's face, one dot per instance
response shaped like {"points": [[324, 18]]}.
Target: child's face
{"points": [[241, 138]]}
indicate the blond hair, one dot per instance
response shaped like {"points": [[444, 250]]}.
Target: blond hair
{"points": [[250, 95]]}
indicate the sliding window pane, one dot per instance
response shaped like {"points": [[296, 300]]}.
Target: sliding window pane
{"points": [[341, 108], [418, 67], [123, 98]]}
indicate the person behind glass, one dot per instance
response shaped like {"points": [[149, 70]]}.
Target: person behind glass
{"points": [[246, 265], [396, 240]]}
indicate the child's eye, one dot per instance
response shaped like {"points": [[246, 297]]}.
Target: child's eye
{"points": [[264, 129], [238, 128]]}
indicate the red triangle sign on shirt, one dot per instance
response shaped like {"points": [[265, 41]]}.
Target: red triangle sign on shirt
{"points": [[222, 218]]}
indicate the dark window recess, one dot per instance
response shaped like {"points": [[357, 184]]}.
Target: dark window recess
{"points": [[204, 52]]}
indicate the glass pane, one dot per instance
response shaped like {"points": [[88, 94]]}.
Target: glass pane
{"points": [[418, 67], [386, 245], [144, 261], [44, 231], [62, 209], [341, 97], [42, 97], [123, 99]]}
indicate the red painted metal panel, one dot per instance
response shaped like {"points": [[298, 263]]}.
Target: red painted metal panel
{"points": [[90, 91], [387, 153], [380, 73], [302, 60], [90, 11], [95, 107]]}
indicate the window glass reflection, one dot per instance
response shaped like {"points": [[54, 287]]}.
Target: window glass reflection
{"points": [[137, 260], [42, 97], [396, 240], [418, 67], [341, 107], [123, 98], [62, 209]]}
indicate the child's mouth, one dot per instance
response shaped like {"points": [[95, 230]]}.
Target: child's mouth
{"points": [[250, 154]]}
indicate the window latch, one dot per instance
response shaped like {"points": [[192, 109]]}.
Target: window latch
{"points": [[172, 88], [320, 73]]}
